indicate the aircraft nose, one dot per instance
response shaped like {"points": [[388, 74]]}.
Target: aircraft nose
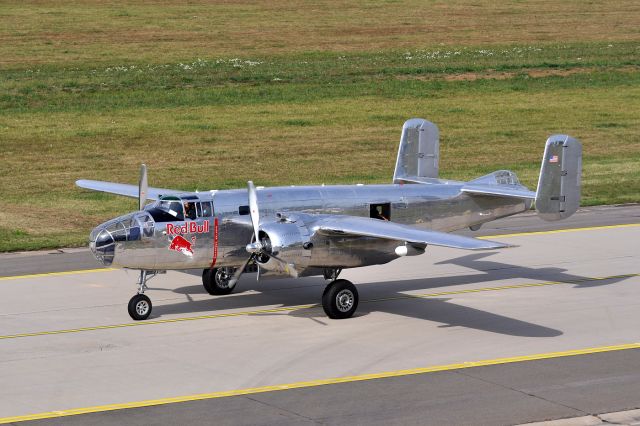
{"points": [[102, 245], [123, 232]]}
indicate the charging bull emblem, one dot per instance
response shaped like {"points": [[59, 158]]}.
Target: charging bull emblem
{"points": [[182, 245]]}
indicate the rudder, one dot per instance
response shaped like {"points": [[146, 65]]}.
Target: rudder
{"points": [[418, 152], [558, 193]]}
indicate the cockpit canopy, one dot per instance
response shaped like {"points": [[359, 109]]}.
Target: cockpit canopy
{"points": [[171, 208]]}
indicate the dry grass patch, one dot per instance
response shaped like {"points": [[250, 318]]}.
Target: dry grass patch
{"points": [[36, 32]]}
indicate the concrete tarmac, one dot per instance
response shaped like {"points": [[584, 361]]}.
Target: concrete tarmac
{"points": [[67, 342]]}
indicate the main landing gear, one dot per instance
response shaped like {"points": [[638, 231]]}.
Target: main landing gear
{"points": [[216, 280], [140, 305], [340, 297]]}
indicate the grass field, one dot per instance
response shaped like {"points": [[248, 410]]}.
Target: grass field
{"points": [[211, 95]]}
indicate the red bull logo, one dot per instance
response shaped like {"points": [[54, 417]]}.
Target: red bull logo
{"points": [[188, 228], [180, 244]]}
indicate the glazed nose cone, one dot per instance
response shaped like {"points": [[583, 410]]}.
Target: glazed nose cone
{"points": [[102, 245], [120, 231]]}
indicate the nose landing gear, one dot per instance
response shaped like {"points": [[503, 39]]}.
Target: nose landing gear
{"points": [[140, 305]]}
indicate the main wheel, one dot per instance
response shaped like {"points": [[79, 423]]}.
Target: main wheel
{"points": [[216, 280], [140, 307], [340, 299]]}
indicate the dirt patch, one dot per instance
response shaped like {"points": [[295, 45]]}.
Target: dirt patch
{"points": [[505, 75], [473, 76]]}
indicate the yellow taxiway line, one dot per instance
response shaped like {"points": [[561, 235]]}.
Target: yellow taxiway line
{"points": [[558, 231], [314, 305], [314, 383], [57, 274]]}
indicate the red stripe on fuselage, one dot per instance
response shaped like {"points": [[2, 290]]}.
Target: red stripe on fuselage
{"points": [[215, 242]]}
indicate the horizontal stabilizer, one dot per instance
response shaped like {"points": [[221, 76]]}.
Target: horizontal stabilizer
{"points": [[366, 227], [501, 183], [124, 189], [499, 191]]}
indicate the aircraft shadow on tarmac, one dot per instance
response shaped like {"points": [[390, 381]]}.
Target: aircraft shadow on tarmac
{"points": [[307, 291], [499, 270]]}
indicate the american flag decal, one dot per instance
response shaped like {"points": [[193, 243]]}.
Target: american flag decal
{"points": [[553, 159]]}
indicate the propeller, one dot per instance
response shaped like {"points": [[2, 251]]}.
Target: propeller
{"points": [[253, 209], [257, 248], [143, 187]]}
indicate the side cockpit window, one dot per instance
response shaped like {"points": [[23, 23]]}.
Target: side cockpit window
{"points": [[190, 210], [207, 210], [204, 209]]}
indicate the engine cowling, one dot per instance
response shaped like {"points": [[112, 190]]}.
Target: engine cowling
{"points": [[289, 240]]}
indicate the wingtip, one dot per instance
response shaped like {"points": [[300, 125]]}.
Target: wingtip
{"points": [[495, 245]]}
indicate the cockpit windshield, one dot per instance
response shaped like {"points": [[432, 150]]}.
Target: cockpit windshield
{"points": [[167, 209], [173, 209]]}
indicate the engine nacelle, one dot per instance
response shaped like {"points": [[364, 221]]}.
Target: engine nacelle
{"points": [[295, 242], [289, 240]]}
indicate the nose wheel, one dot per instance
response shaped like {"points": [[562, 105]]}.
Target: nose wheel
{"points": [[140, 305], [340, 299]]}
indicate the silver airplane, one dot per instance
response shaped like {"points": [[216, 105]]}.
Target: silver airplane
{"points": [[321, 230]]}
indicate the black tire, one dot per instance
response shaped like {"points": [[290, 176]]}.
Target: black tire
{"points": [[216, 281], [340, 299], [140, 307]]}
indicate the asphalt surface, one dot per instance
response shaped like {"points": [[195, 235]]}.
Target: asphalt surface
{"points": [[505, 394], [67, 342]]}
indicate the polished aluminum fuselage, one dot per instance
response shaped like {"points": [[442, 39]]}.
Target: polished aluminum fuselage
{"points": [[439, 206]]}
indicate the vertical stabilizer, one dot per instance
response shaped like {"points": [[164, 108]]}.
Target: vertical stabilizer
{"points": [[558, 194], [418, 152]]}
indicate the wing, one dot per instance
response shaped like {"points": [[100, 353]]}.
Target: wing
{"points": [[365, 227], [124, 189]]}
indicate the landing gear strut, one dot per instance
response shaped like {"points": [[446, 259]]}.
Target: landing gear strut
{"points": [[331, 273], [216, 280], [340, 299], [140, 305]]}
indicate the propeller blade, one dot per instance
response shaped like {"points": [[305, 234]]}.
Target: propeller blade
{"points": [[236, 276], [256, 247], [253, 209], [143, 187]]}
